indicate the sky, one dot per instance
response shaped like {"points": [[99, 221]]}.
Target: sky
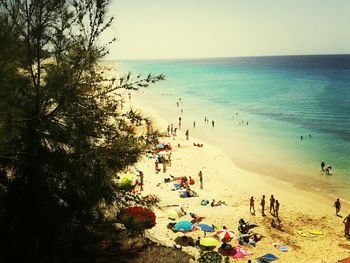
{"points": [[156, 29]]}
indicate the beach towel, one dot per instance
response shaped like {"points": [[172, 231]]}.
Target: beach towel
{"points": [[179, 178], [241, 252], [177, 186], [280, 247], [315, 232], [184, 194], [267, 258]]}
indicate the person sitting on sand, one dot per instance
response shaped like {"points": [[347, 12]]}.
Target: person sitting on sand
{"points": [[218, 203], [278, 225], [171, 226], [256, 237], [191, 180], [196, 218]]}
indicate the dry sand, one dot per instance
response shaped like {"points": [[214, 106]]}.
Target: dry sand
{"points": [[223, 180]]}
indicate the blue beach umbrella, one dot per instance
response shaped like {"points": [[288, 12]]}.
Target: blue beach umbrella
{"points": [[267, 258], [183, 226], [160, 146], [206, 227]]}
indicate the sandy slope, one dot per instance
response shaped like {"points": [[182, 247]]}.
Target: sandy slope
{"points": [[299, 210]]}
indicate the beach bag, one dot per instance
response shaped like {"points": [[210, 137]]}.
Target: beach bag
{"points": [[204, 202]]}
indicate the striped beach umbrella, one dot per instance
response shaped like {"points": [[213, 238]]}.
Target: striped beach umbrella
{"points": [[225, 234]]}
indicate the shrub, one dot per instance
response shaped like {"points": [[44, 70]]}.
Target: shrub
{"points": [[137, 219], [210, 257]]}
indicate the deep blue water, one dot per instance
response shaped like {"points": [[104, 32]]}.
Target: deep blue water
{"points": [[282, 97]]}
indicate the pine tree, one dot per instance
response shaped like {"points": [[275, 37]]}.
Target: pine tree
{"points": [[62, 139]]}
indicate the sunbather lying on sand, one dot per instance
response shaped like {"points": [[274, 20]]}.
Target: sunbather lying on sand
{"points": [[196, 218], [218, 203], [190, 192]]}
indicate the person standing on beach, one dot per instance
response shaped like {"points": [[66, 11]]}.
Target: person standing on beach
{"points": [[212, 123], [337, 206], [141, 180], [156, 167], [346, 221], [200, 179], [323, 164], [277, 208], [179, 122], [187, 133], [262, 203], [194, 124], [168, 130], [272, 205], [164, 165], [251, 206]]}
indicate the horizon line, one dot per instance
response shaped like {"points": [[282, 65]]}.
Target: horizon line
{"points": [[220, 57]]}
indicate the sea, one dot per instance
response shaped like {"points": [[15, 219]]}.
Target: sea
{"points": [[278, 115]]}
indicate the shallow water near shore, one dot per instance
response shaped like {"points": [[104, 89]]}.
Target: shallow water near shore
{"points": [[261, 108]]}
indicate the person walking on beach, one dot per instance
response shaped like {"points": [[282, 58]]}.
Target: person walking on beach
{"points": [[323, 164], [187, 133], [277, 208], [201, 179], [337, 206], [346, 221], [212, 123], [194, 124], [251, 206], [262, 203], [272, 205]]}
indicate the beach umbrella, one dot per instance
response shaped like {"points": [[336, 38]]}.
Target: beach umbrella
{"points": [[267, 258], [206, 227], [183, 226], [126, 179], [162, 153], [345, 260], [173, 214], [209, 242], [225, 234], [159, 146]]}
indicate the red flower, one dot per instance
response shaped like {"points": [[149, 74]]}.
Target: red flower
{"points": [[138, 218]]}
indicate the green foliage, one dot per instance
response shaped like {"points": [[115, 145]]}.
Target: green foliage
{"points": [[58, 114], [210, 257]]}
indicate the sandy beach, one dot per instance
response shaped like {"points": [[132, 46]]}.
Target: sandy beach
{"points": [[223, 180]]}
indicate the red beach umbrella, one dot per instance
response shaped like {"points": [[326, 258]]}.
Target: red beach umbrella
{"points": [[225, 234]]}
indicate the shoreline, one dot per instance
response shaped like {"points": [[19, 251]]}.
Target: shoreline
{"points": [[298, 206]]}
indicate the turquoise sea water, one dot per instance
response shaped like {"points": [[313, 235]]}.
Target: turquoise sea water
{"points": [[281, 98]]}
